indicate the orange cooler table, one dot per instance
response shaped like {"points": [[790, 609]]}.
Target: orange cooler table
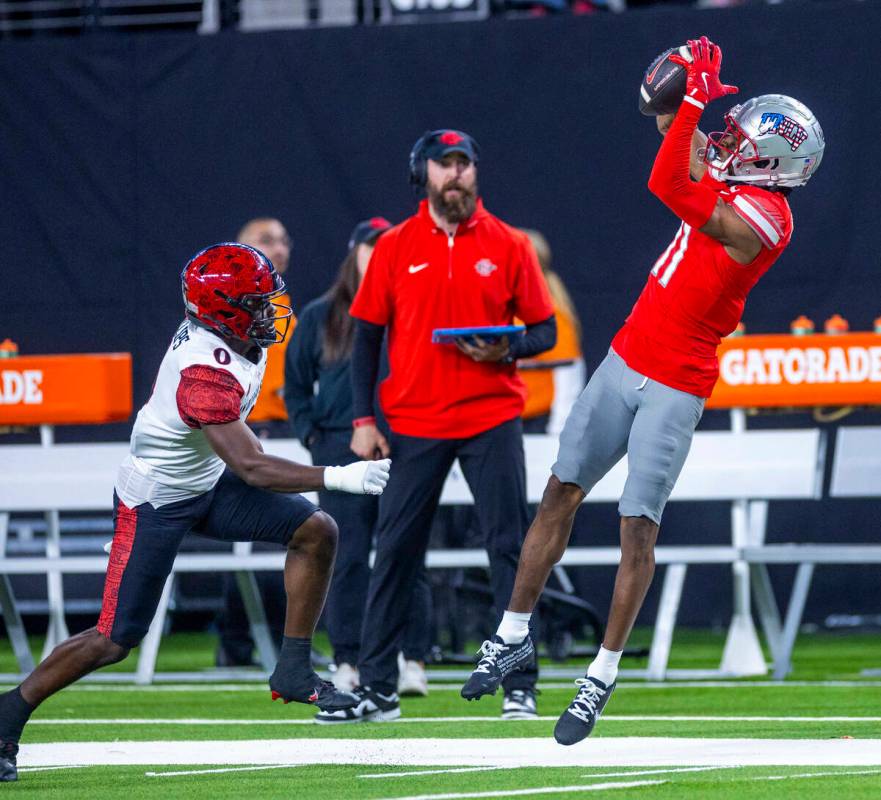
{"points": [[783, 370], [88, 388]]}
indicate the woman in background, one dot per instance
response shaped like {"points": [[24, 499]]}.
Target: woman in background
{"points": [[318, 396], [555, 378]]}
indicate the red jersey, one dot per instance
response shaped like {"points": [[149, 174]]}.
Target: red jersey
{"points": [[420, 278], [696, 293]]}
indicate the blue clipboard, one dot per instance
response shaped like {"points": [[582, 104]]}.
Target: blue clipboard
{"points": [[489, 333]]}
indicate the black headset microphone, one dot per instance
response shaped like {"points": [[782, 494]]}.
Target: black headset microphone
{"points": [[417, 162]]}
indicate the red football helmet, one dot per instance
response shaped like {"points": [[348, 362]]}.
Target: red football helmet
{"points": [[229, 287]]}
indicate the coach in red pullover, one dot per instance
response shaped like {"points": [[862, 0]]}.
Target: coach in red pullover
{"points": [[452, 264]]}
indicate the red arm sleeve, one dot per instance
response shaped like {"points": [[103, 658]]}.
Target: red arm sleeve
{"points": [[532, 299], [670, 180], [208, 396], [372, 302]]}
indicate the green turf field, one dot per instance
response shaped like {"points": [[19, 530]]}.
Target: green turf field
{"points": [[816, 735]]}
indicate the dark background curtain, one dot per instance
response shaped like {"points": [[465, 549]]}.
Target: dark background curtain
{"points": [[121, 156]]}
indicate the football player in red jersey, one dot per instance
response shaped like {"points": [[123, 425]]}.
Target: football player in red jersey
{"points": [[647, 396], [194, 466]]}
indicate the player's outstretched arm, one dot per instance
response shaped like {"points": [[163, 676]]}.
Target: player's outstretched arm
{"points": [[694, 203], [696, 166], [242, 452]]}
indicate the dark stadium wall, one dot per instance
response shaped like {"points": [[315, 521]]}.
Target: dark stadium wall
{"points": [[120, 156]]}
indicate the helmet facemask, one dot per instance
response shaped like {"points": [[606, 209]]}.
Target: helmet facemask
{"points": [[264, 314], [263, 330], [735, 155]]}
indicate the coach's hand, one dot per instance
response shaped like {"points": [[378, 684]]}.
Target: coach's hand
{"points": [[369, 443], [484, 351], [362, 477]]}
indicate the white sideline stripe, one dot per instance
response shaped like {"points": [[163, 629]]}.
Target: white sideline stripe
{"points": [[658, 771], [179, 773], [487, 769], [714, 684], [216, 771], [403, 720], [817, 774], [614, 751], [417, 772], [455, 687], [48, 769], [590, 787]]}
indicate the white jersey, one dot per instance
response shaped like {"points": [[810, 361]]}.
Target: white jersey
{"points": [[170, 458]]}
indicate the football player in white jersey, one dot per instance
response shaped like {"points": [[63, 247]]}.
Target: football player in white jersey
{"points": [[194, 466]]}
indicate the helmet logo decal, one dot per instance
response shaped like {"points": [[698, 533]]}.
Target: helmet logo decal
{"points": [[222, 356], [450, 138], [485, 267], [788, 128]]}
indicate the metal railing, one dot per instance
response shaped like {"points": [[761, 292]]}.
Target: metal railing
{"points": [[48, 17], [24, 17]]}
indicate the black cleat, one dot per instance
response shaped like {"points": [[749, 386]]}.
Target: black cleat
{"points": [[313, 691], [577, 721], [8, 768], [372, 707], [499, 660]]}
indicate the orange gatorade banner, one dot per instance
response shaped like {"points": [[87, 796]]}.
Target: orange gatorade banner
{"points": [[784, 370], [66, 389]]}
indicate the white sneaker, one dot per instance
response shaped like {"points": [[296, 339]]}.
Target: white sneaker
{"points": [[412, 680], [519, 704], [373, 707], [346, 677]]}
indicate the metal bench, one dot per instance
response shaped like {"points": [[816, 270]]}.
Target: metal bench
{"points": [[747, 469]]}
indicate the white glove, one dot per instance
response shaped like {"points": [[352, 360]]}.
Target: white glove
{"points": [[362, 477]]}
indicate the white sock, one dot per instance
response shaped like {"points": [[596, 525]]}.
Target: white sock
{"points": [[514, 627], [605, 666]]}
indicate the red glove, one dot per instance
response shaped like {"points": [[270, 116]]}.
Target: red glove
{"points": [[703, 82]]}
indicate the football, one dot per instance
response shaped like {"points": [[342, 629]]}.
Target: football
{"points": [[663, 84]]}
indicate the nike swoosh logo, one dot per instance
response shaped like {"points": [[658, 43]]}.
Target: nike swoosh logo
{"points": [[651, 76], [414, 268], [704, 76]]}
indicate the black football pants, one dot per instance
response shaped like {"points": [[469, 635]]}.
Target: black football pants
{"points": [[494, 467], [355, 516]]}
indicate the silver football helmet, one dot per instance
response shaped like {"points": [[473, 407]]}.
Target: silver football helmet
{"points": [[770, 141]]}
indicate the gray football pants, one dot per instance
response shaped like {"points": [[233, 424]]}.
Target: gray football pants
{"points": [[621, 411]]}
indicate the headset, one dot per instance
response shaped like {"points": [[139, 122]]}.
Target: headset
{"points": [[419, 163]]}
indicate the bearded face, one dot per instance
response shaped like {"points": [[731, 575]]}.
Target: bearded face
{"points": [[452, 187]]}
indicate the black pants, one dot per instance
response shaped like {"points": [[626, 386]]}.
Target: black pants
{"points": [[537, 424], [356, 515], [493, 465], [146, 541], [236, 645]]}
